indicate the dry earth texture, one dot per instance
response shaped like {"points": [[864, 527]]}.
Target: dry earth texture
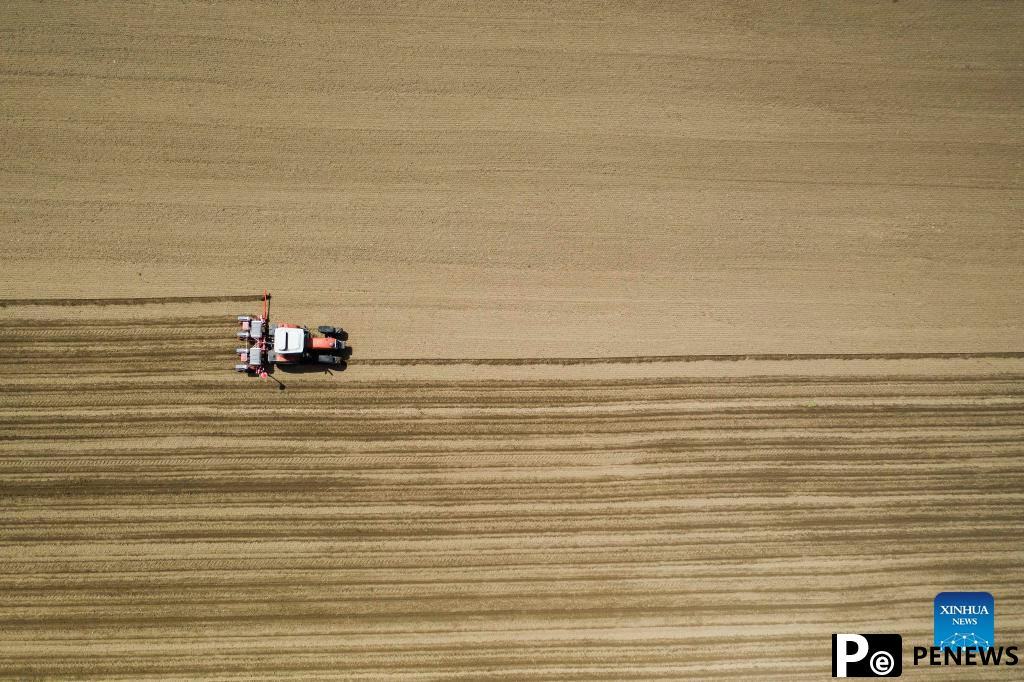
{"points": [[535, 219]]}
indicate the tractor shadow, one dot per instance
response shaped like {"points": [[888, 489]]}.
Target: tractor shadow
{"points": [[314, 368]]}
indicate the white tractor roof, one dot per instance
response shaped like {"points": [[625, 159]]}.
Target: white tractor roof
{"points": [[289, 340]]}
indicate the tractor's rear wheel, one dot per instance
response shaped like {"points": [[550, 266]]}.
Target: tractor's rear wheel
{"points": [[327, 331]]}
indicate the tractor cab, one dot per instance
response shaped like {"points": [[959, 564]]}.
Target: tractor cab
{"points": [[289, 340]]}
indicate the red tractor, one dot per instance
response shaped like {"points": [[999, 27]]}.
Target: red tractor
{"points": [[285, 344]]}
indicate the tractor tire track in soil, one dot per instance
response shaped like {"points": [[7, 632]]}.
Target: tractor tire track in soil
{"points": [[763, 357], [144, 300]]}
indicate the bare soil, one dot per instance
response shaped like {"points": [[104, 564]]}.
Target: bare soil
{"points": [[536, 220]]}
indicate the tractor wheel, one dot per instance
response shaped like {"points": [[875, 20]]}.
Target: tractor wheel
{"points": [[327, 331]]}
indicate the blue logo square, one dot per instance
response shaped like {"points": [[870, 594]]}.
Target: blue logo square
{"points": [[964, 620]]}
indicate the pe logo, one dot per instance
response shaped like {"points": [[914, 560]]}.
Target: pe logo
{"points": [[964, 620], [867, 655]]}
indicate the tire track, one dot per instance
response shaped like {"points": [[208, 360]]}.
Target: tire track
{"points": [[636, 359], [151, 300]]}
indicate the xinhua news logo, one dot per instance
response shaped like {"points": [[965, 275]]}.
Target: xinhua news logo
{"points": [[965, 633], [867, 655], [964, 620]]}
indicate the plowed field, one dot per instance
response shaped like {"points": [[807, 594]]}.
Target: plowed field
{"points": [[683, 336]]}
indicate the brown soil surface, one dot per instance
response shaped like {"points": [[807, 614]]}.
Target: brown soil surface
{"points": [[535, 220]]}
